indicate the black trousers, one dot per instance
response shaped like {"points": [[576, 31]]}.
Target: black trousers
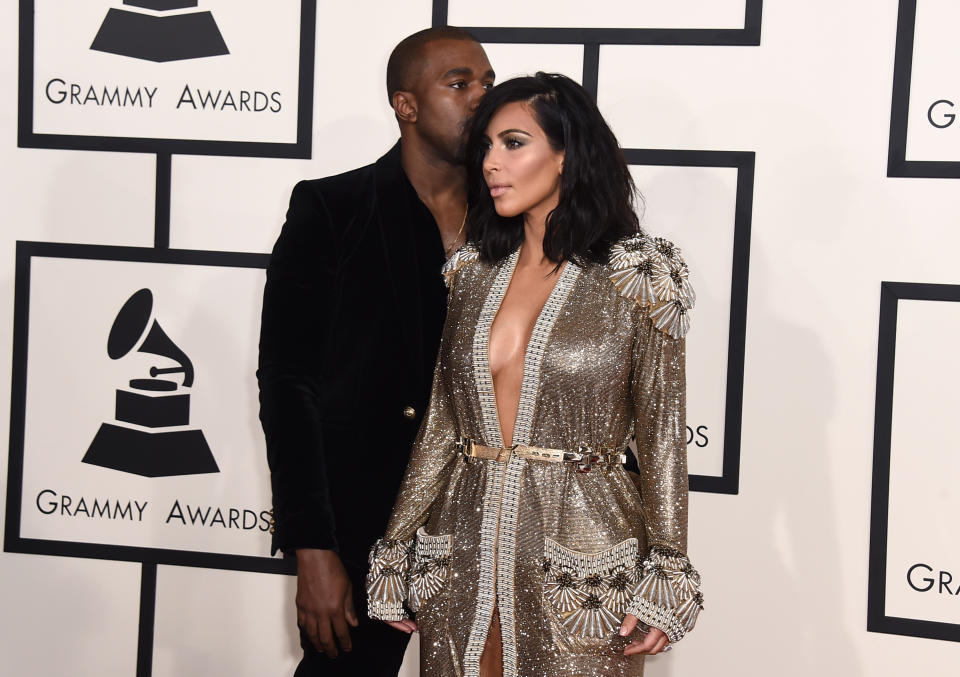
{"points": [[377, 648], [377, 652]]}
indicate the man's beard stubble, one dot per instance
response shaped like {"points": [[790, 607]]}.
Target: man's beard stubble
{"points": [[460, 150]]}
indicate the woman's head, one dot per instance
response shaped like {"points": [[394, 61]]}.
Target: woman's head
{"points": [[542, 146]]}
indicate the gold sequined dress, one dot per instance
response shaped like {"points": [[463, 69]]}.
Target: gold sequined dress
{"points": [[562, 553]]}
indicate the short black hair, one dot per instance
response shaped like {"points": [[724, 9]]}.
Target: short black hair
{"points": [[597, 193], [406, 56]]}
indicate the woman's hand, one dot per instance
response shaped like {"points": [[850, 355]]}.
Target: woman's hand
{"points": [[406, 626], [654, 642]]}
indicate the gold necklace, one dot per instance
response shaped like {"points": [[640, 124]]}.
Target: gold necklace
{"points": [[453, 245]]}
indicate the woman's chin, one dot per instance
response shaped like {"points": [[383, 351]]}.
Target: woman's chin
{"points": [[505, 212]]}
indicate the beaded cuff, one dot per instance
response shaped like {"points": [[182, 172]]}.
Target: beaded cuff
{"points": [[650, 271], [387, 579], [668, 595]]}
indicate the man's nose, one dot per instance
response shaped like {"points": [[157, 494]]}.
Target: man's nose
{"points": [[478, 90]]}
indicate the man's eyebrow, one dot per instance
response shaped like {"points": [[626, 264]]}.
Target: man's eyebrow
{"points": [[465, 71]]}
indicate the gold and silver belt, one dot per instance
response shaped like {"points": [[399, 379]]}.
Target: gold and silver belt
{"points": [[584, 457]]}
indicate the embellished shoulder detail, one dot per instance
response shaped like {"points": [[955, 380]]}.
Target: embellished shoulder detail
{"points": [[468, 253], [651, 271]]}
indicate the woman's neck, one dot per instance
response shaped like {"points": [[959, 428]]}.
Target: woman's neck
{"points": [[531, 251]]}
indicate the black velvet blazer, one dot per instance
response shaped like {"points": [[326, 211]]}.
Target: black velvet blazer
{"points": [[352, 313]]}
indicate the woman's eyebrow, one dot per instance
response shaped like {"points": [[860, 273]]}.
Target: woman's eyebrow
{"points": [[513, 131]]}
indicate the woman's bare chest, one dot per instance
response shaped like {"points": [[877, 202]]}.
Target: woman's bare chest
{"points": [[515, 321]]}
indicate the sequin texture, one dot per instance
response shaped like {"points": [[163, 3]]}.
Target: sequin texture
{"points": [[561, 554]]}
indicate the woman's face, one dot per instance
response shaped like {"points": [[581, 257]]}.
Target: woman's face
{"points": [[520, 167]]}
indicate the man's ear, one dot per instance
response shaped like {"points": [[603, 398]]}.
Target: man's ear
{"points": [[405, 106]]}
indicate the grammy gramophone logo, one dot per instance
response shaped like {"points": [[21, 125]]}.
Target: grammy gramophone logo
{"points": [[151, 434], [161, 35]]}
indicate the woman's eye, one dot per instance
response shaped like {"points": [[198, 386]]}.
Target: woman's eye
{"points": [[513, 143]]}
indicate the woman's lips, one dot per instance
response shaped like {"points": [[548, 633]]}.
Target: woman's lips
{"points": [[498, 189]]}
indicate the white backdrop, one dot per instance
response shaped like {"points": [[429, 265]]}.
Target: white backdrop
{"points": [[785, 560]]}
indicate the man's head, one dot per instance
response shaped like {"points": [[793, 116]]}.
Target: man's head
{"points": [[435, 79]]}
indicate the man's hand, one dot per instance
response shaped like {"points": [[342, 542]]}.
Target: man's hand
{"points": [[324, 600], [653, 643]]}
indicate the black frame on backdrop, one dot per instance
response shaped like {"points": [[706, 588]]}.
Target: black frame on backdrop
{"points": [[877, 619], [592, 38], [27, 138], [13, 541], [897, 163], [747, 36], [149, 558], [743, 162]]}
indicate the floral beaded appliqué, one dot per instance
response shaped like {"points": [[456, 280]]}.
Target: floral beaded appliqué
{"points": [[428, 571], [651, 271], [590, 591]]}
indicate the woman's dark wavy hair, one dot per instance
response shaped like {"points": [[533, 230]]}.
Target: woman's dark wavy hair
{"points": [[596, 205]]}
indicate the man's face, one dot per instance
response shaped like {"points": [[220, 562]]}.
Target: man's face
{"points": [[454, 76]]}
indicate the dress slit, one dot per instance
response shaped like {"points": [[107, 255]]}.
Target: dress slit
{"points": [[491, 660]]}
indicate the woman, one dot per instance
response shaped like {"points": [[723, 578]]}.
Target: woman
{"points": [[517, 539]]}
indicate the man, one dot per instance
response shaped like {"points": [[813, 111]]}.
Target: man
{"points": [[352, 313]]}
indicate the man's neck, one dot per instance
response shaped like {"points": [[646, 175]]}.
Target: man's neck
{"points": [[436, 180], [441, 186]]}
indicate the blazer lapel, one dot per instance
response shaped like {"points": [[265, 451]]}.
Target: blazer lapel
{"points": [[398, 212]]}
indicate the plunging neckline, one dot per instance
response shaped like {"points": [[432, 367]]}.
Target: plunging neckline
{"points": [[533, 350]]}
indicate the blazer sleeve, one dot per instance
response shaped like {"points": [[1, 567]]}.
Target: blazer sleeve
{"points": [[428, 470], [297, 302], [667, 595]]}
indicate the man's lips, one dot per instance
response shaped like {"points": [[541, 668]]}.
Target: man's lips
{"points": [[498, 189]]}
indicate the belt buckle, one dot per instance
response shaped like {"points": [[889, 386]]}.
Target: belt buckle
{"points": [[465, 445], [608, 456], [587, 459]]}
